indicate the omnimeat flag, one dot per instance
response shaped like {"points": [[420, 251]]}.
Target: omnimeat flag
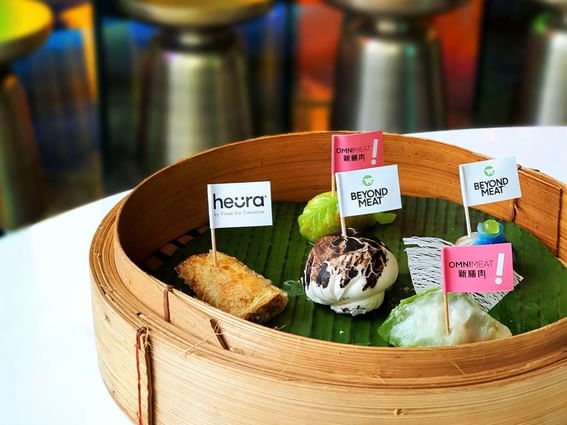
{"points": [[489, 181], [239, 204], [368, 191], [477, 268], [356, 151]]}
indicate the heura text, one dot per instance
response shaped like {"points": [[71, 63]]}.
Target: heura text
{"points": [[238, 201]]}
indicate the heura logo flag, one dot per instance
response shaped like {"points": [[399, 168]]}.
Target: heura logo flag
{"points": [[369, 190], [356, 151], [240, 204], [489, 181], [477, 268]]}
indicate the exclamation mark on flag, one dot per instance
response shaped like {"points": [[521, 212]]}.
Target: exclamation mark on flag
{"points": [[374, 152], [499, 268]]}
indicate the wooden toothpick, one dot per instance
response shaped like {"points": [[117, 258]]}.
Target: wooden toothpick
{"points": [[446, 308], [214, 246], [339, 205], [445, 292], [333, 184], [465, 201], [343, 227], [468, 221]]}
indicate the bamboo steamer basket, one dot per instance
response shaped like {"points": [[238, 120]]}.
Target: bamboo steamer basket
{"points": [[167, 358]]}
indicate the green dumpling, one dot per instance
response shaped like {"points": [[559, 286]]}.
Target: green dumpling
{"points": [[321, 217], [419, 321]]}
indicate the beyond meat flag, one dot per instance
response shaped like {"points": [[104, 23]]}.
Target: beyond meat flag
{"points": [[368, 191], [489, 181]]}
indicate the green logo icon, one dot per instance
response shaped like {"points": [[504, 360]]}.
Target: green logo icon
{"points": [[367, 180], [489, 171]]}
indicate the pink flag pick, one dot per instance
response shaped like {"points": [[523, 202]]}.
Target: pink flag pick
{"points": [[356, 151], [477, 268]]}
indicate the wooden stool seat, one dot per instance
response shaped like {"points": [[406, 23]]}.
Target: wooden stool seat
{"points": [[24, 25], [399, 8], [195, 13]]}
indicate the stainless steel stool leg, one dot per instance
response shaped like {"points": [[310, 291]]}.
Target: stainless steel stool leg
{"points": [[389, 71], [544, 95], [195, 95], [388, 77]]}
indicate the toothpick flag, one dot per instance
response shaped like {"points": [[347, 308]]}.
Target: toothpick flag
{"points": [[356, 151], [368, 191], [240, 204], [489, 181], [477, 268]]}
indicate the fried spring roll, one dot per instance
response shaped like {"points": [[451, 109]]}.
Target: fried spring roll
{"points": [[232, 287]]}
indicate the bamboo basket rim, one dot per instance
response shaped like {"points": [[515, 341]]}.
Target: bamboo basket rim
{"points": [[206, 152], [557, 328]]}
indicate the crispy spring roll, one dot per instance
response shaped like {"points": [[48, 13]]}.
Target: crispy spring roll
{"points": [[232, 287]]}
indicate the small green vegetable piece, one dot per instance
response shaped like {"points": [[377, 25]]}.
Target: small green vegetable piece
{"points": [[384, 217], [490, 226], [321, 217]]}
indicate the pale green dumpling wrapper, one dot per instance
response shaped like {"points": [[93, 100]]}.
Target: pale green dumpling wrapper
{"points": [[419, 321], [321, 217]]}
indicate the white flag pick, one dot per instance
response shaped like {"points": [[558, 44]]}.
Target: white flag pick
{"points": [[368, 191], [488, 181], [238, 205]]}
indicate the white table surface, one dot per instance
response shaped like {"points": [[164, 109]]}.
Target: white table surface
{"points": [[48, 366]]}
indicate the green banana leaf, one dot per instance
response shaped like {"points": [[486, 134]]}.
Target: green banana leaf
{"points": [[279, 253]]}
